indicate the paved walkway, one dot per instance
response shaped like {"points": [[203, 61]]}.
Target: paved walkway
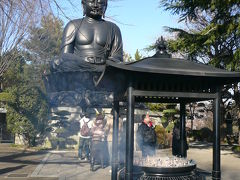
{"points": [[230, 162], [64, 165], [18, 164]]}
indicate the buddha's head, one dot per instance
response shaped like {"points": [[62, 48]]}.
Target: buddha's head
{"points": [[94, 8]]}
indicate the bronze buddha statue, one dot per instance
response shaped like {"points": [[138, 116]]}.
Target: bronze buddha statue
{"points": [[88, 42]]}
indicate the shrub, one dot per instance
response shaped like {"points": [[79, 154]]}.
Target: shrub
{"points": [[204, 134], [161, 135]]}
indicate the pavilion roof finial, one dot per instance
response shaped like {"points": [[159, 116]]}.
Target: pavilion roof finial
{"points": [[161, 46]]}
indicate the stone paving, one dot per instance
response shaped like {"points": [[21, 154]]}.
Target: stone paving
{"points": [[64, 165], [230, 162], [18, 163]]}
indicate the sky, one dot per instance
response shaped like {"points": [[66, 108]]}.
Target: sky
{"points": [[141, 22]]}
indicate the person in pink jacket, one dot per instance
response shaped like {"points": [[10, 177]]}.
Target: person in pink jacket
{"points": [[98, 144]]}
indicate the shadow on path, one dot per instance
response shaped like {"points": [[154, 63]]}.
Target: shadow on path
{"points": [[10, 169], [17, 157], [200, 145]]}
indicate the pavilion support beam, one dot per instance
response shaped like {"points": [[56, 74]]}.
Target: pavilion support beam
{"points": [[216, 172], [129, 134], [115, 140], [175, 94], [183, 142]]}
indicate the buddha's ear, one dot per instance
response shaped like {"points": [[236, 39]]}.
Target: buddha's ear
{"points": [[84, 9], [104, 12], [106, 1]]}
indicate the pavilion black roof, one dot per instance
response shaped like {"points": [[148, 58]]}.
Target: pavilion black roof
{"points": [[174, 66], [173, 77], [160, 76], [163, 64]]}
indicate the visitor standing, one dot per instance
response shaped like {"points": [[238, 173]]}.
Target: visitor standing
{"points": [[85, 137], [176, 139], [98, 145], [146, 137]]}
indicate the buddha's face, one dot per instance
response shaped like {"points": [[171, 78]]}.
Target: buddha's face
{"points": [[94, 8]]}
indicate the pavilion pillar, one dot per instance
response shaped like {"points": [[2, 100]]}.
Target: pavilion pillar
{"points": [[129, 134], [216, 172], [183, 141], [115, 140]]}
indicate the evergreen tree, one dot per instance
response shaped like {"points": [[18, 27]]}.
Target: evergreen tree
{"points": [[169, 113], [16, 16], [127, 57], [26, 103], [43, 43], [58, 126], [137, 55], [212, 35]]}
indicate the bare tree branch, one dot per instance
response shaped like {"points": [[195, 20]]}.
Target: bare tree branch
{"points": [[16, 17]]}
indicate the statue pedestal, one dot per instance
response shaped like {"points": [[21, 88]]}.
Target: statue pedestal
{"points": [[75, 92], [76, 89]]}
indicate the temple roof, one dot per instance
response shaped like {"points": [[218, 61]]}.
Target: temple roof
{"points": [[173, 66], [187, 80], [163, 63], [164, 79], [161, 75]]}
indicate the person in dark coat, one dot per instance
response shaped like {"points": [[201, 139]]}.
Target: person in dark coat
{"points": [[176, 140], [146, 137]]}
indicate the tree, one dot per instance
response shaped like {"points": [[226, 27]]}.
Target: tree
{"points": [[26, 103], [137, 55], [213, 31], [58, 126], [15, 19], [169, 113], [169, 116], [127, 57], [43, 43], [212, 35]]}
